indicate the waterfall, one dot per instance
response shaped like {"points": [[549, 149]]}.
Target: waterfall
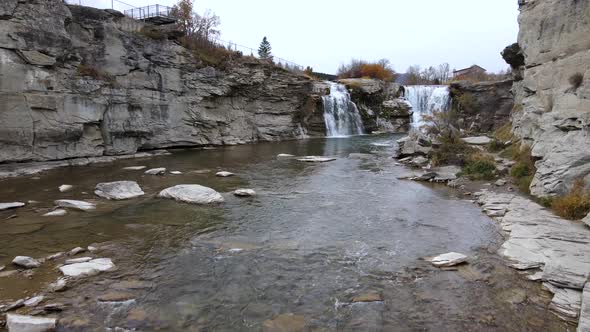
{"points": [[426, 99], [341, 115]]}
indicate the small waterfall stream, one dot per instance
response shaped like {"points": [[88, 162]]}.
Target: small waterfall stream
{"points": [[341, 115], [427, 99]]}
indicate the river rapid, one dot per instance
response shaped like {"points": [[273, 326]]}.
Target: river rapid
{"points": [[334, 246]]}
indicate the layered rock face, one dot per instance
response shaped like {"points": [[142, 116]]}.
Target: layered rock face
{"points": [[82, 82], [553, 94], [379, 105], [483, 107]]}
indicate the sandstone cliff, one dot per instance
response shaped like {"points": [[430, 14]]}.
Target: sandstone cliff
{"points": [[552, 113], [82, 82]]}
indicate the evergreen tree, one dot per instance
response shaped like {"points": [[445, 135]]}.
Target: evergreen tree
{"points": [[264, 51]]}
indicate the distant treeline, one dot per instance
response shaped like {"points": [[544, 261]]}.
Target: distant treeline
{"points": [[325, 77]]}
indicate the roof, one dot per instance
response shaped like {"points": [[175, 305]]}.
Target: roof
{"points": [[469, 68]]}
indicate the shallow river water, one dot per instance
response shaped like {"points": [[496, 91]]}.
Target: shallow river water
{"points": [[315, 237]]}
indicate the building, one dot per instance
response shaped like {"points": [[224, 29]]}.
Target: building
{"points": [[474, 71]]}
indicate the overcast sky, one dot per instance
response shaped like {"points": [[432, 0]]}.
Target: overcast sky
{"points": [[325, 33]]}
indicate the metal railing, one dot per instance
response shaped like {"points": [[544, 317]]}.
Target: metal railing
{"points": [[147, 12]]}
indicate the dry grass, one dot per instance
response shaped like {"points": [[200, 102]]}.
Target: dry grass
{"points": [[364, 69], [152, 33], [523, 171], [575, 205]]}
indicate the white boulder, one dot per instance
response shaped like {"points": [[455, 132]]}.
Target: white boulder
{"points": [[478, 140], [192, 193], [26, 262], [12, 205], [224, 174], [244, 192], [156, 171], [284, 156], [176, 172], [315, 159], [22, 323], [33, 301], [134, 168], [56, 213], [76, 205], [65, 187], [449, 259], [118, 190], [92, 267]]}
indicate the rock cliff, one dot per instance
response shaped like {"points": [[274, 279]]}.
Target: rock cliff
{"points": [[482, 107], [552, 93], [379, 104], [83, 82]]}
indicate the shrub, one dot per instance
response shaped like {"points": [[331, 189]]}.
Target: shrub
{"points": [[152, 33], [575, 205], [524, 169], [452, 150], [466, 102], [504, 133], [380, 70], [576, 80], [207, 51], [496, 145], [480, 166]]}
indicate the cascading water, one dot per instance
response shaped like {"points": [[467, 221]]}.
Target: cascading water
{"points": [[341, 115], [427, 99]]}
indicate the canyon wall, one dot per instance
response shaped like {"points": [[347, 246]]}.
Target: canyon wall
{"points": [[552, 90], [82, 82]]}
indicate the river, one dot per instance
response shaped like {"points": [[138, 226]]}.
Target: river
{"points": [[315, 237]]}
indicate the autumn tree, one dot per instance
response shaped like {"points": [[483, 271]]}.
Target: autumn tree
{"points": [[264, 51], [194, 25]]}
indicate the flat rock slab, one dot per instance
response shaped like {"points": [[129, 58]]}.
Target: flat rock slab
{"points": [[36, 58], [26, 262], [244, 192], [224, 174], [118, 190], [449, 259], [76, 205], [479, 140], [584, 322], [192, 193], [22, 323], [316, 159], [56, 213], [156, 171], [92, 267], [12, 205], [134, 168]]}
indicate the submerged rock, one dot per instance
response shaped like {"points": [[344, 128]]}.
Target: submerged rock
{"points": [[449, 259], [56, 213], [284, 156], [479, 140], [192, 193], [65, 187], [118, 190], [224, 174], [368, 297], [316, 159], [285, 322], [76, 251], [244, 192], [116, 297], [13, 205], [76, 205], [156, 171], [78, 260], [88, 268], [22, 323], [26, 262]]}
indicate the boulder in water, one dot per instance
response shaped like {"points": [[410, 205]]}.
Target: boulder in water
{"points": [[479, 140], [176, 172], [33, 301], [26, 262], [13, 205], [156, 171], [192, 193], [22, 323], [449, 259], [118, 190], [56, 213], [74, 204], [87, 268], [65, 187], [244, 192], [316, 159], [134, 168], [224, 174], [284, 156]]}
